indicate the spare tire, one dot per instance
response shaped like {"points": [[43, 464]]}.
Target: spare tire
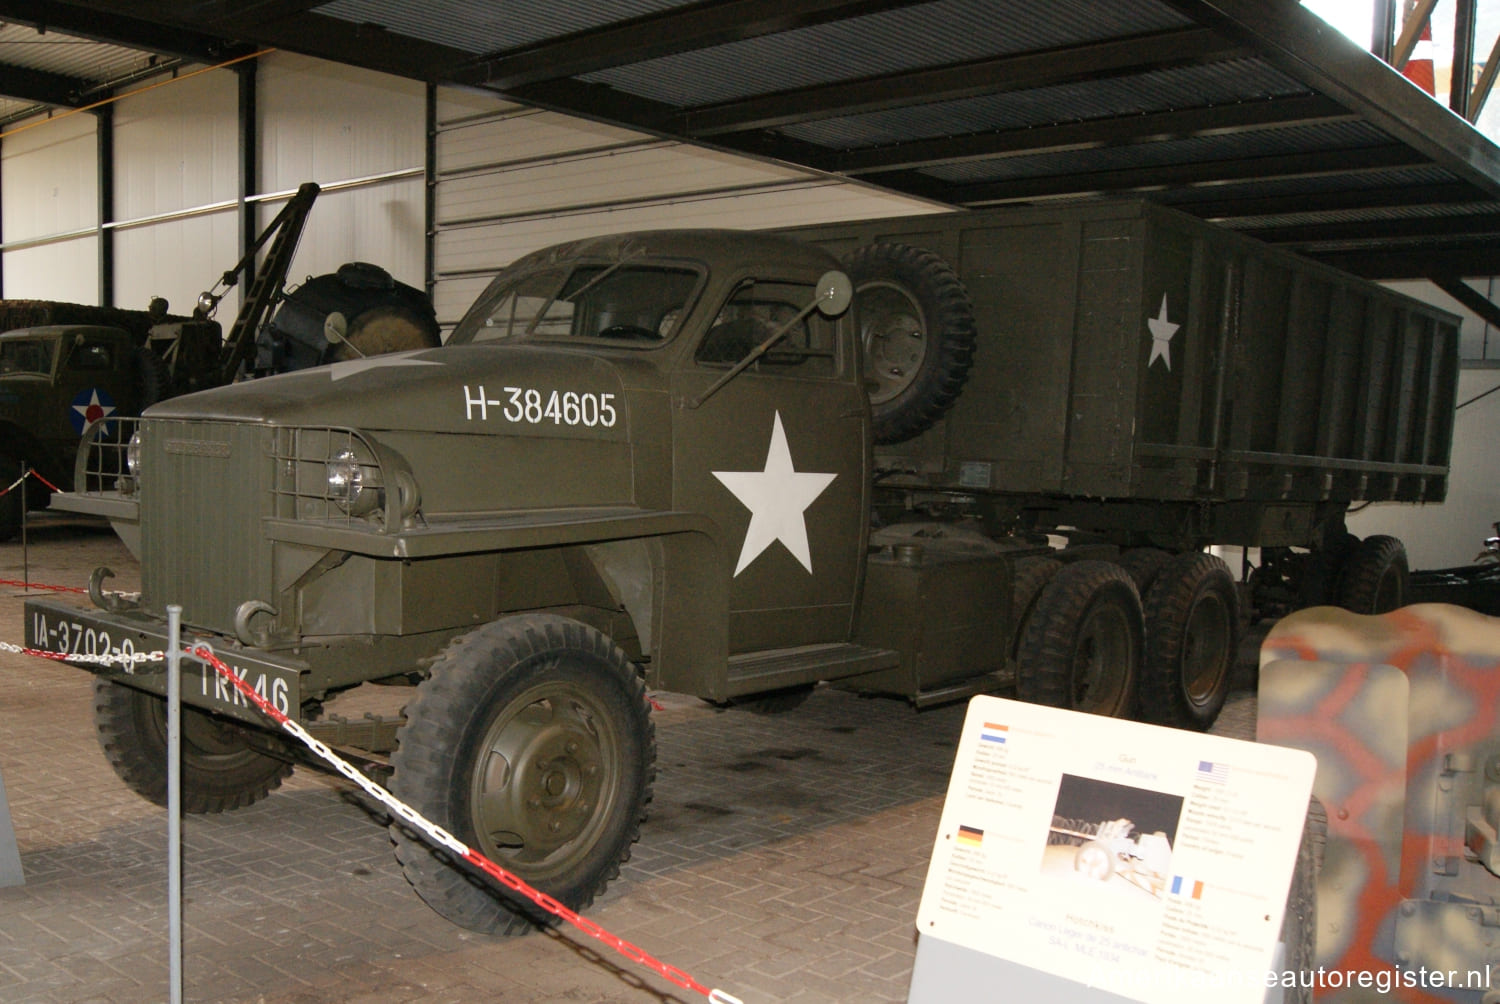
{"points": [[380, 315], [917, 326]]}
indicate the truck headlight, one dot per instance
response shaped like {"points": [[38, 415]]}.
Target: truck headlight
{"points": [[133, 455], [353, 485]]}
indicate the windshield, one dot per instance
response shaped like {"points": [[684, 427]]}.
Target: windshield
{"points": [[27, 355], [632, 304]]}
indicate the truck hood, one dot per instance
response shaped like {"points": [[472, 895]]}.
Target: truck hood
{"points": [[460, 388]]}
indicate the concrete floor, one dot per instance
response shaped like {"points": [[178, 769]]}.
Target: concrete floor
{"points": [[783, 859]]}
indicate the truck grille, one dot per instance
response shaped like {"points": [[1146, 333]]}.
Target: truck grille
{"points": [[205, 487]]}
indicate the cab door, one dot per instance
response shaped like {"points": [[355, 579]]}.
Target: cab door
{"points": [[778, 457]]}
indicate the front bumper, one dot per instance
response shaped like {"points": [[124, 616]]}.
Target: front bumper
{"points": [[107, 643]]}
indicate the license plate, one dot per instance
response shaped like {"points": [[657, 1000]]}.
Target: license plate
{"points": [[110, 649]]}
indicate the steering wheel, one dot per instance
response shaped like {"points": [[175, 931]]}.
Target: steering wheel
{"points": [[629, 332]]}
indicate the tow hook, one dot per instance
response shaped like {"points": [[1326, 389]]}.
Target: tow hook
{"points": [[115, 603]]}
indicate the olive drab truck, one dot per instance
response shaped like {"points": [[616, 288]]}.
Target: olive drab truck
{"points": [[683, 461]]}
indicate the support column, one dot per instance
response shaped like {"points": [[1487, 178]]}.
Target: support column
{"points": [[249, 152], [429, 208], [104, 130], [1463, 58]]}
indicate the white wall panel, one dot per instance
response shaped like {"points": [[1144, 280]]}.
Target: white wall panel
{"points": [[177, 259], [48, 186], [325, 122], [380, 223], [177, 146], [48, 180], [66, 271], [329, 123], [521, 135]]}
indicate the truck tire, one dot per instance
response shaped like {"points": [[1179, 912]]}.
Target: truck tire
{"points": [[220, 771], [1031, 577], [1082, 647], [532, 742], [917, 325], [386, 329], [1299, 924], [1143, 564], [1375, 579], [1192, 641]]}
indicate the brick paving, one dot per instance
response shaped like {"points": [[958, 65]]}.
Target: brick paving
{"points": [[783, 860]]}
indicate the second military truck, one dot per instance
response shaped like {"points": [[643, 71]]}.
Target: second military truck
{"points": [[683, 461]]}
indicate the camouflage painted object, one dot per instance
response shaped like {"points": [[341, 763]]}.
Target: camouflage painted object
{"points": [[1401, 712]]}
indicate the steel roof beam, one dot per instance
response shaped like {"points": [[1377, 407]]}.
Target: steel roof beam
{"points": [[44, 88], [1405, 229], [105, 24], [1479, 259], [1064, 65], [1182, 123], [1228, 207], [1146, 179], [681, 29], [1300, 44]]}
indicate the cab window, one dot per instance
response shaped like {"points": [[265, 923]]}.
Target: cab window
{"points": [[26, 356], [753, 313], [631, 304], [91, 356]]}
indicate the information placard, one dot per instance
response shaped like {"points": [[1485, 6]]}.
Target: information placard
{"points": [[1147, 862]]}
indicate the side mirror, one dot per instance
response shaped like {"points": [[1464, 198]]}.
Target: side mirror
{"points": [[835, 293]]}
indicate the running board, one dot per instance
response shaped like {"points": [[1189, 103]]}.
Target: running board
{"points": [[988, 683], [775, 669]]}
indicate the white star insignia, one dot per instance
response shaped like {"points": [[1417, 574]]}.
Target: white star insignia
{"points": [[777, 497], [105, 410], [351, 367], [1162, 331]]}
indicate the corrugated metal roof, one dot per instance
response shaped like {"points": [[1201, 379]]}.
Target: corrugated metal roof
{"points": [[1237, 110], [887, 42], [1180, 87], [481, 26]]}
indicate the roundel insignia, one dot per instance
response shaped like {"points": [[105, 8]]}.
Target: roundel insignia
{"points": [[90, 406]]}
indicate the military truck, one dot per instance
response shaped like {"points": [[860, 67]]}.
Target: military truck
{"points": [[64, 366], [682, 461]]}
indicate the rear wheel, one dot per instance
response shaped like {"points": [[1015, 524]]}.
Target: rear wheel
{"points": [[220, 770], [1192, 641], [1143, 564], [1031, 577], [1375, 579], [532, 743], [1082, 647]]}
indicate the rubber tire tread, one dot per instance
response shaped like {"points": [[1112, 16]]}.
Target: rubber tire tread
{"points": [[1045, 670], [131, 727], [1365, 567], [1031, 577], [1169, 603], [936, 287], [1144, 564], [1299, 924], [450, 706]]}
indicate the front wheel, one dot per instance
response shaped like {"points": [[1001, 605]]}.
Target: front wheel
{"points": [[1082, 646], [220, 770], [531, 742]]}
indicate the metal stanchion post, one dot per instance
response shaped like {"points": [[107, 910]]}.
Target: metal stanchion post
{"points": [[174, 802], [25, 550]]}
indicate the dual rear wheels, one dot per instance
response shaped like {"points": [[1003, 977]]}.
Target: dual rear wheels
{"points": [[1087, 642]]}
